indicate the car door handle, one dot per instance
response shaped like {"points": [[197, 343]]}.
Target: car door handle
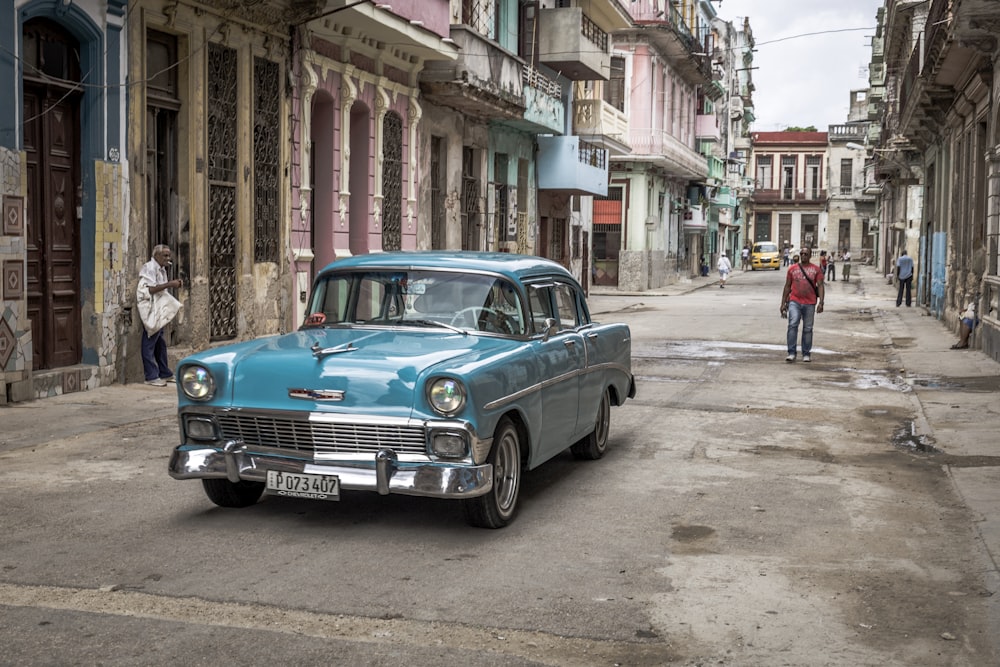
{"points": [[569, 343], [592, 335]]}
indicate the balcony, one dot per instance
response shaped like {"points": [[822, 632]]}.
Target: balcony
{"points": [[669, 32], [664, 150], [545, 110], [485, 83], [414, 28], [706, 126], [597, 122], [573, 45], [810, 196], [953, 43], [572, 166], [716, 170], [848, 132], [693, 220]]}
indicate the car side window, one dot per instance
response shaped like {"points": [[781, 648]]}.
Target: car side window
{"points": [[566, 302], [540, 302]]}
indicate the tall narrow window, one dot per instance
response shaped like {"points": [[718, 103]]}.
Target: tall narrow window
{"points": [[614, 87], [813, 164], [392, 182], [501, 202], [266, 124], [471, 207], [764, 165], [788, 177], [846, 176], [784, 229], [161, 184], [223, 109], [762, 227], [438, 221]]}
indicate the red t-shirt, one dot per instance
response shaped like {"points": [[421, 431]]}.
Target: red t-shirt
{"points": [[803, 292]]}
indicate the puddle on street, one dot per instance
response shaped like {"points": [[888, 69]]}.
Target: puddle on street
{"points": [[986, 383], [715, 349], [860, 378], [906, 437]]}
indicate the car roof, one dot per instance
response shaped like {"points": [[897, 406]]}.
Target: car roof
{"points": [[513, 266]]}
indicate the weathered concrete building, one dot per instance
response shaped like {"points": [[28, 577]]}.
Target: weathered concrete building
{"points": [[937, 157], [63, 179], [789, 202]]}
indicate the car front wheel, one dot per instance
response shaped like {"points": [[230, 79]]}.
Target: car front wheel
{"points": [[497, 508], [593, 446], [224, 493]]}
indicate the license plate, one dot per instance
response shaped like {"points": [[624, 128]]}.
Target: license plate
{"points": [[303, 485]]}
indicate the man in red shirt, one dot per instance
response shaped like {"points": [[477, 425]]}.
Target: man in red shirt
{"points": [[801, 299]]}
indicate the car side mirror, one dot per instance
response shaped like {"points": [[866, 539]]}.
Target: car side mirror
{"points": [[551, 327]]}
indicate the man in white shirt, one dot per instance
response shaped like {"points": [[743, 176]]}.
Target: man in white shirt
{"points": [[153, 279]]}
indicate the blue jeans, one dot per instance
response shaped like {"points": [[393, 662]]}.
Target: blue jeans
{"points": [[154, 356], [905, 285], [798, 312]]}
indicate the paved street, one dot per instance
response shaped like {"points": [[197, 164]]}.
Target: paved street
{"points": [[749, 512]]}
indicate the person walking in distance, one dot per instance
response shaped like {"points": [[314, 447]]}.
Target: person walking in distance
{"points": [[801, 299], [846, 260], [725, 267], [831, 267], [904, 276], [157, 307], [745, 257]]}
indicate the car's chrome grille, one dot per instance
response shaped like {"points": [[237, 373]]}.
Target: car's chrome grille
{"points": [[314, 437]]}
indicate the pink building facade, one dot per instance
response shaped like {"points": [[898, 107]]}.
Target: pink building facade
{"points": [[356, 116]]}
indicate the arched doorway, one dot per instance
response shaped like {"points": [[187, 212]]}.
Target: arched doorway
{"points": [[52, 98]]}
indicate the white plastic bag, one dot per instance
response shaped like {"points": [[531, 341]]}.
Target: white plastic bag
{"points": [[156, 310]]}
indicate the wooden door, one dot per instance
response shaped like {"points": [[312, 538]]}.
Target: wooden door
{"points": [[52, 224]]}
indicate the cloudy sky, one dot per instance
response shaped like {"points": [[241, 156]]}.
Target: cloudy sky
{"points": [[805, 81]]}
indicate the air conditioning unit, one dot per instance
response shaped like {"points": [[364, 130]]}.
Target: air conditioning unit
{"points": [[735, 107]]}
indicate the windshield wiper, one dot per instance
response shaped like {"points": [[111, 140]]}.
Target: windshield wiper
{"points": [[435, 323]]}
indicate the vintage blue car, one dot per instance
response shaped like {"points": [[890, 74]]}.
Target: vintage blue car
{"points": [[442, 374]]}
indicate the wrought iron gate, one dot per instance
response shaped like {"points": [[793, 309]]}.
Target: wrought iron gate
{"points": [[392, 182], [222, 112]]}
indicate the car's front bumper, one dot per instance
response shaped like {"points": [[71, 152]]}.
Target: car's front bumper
{"points": [[383, 473]]}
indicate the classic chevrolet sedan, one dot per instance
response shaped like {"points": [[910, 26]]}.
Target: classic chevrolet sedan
{"points": [[441, 374]]}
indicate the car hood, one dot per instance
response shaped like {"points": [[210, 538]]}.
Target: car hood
{"points": [[357, 370]]}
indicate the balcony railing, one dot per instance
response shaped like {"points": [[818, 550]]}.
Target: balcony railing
{"points": [[789, 196], [936, 22], [594, 34], [534, 78], [593, 155]]}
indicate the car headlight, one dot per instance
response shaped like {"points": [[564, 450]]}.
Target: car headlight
{"points": [[197, 383], [446, 395]]}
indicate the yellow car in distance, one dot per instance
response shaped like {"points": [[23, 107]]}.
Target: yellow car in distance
{"points": [[765, 255]]}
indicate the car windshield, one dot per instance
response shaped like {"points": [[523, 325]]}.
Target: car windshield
{"points": [[467, 301], [766, 247]]}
